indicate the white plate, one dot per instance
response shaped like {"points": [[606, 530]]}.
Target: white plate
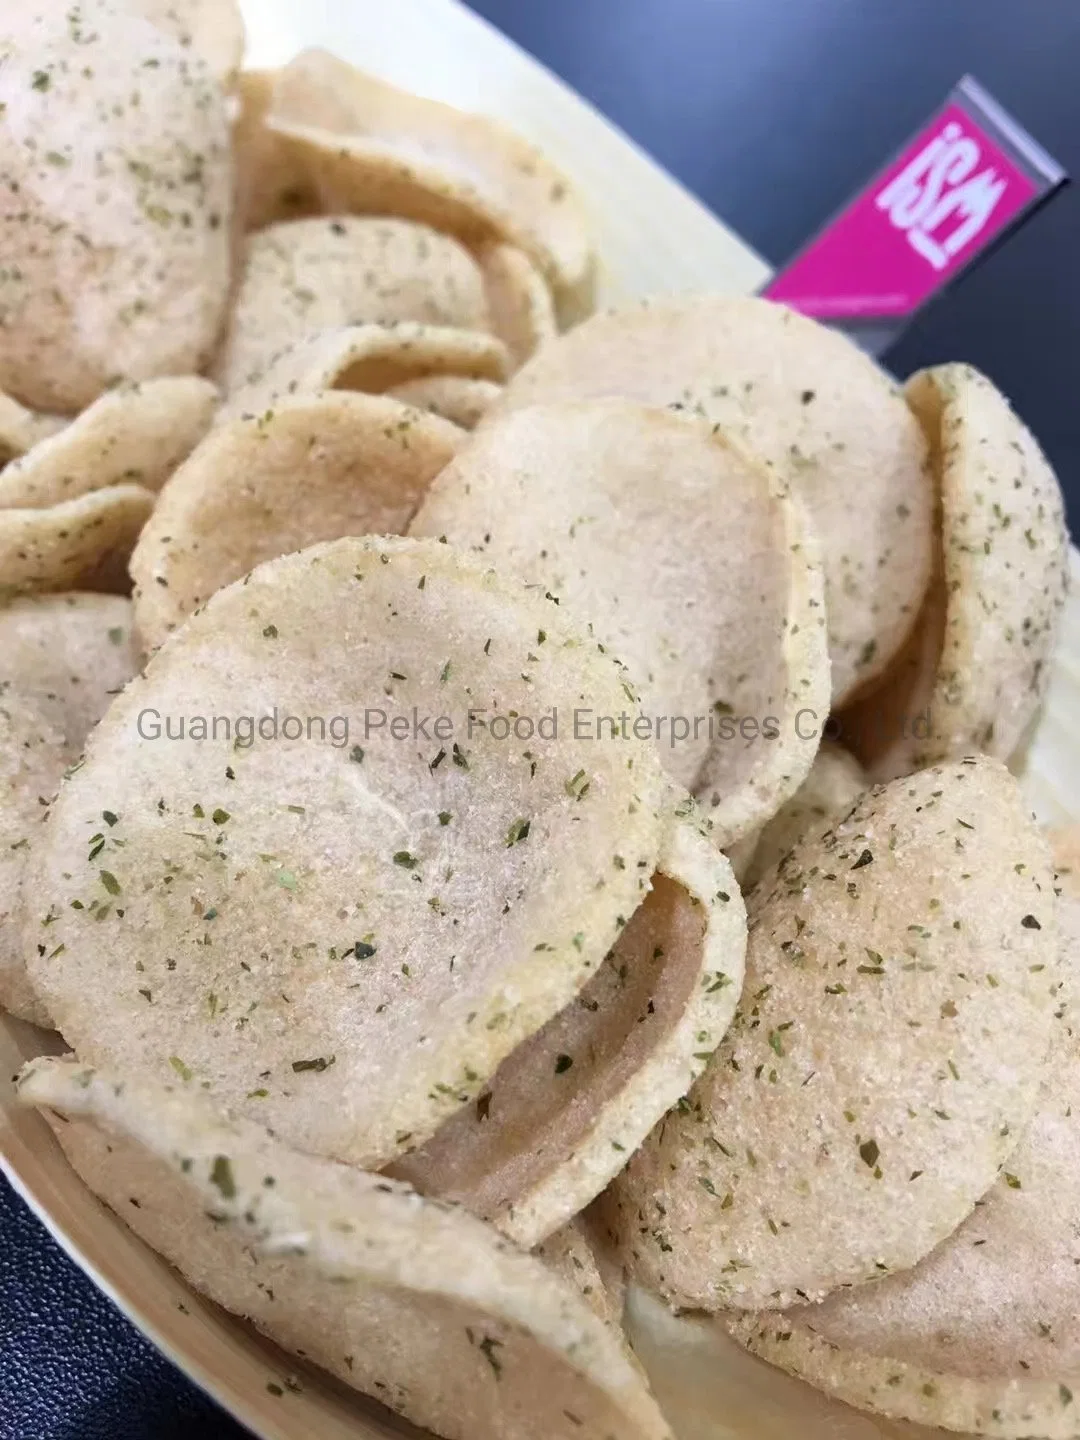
{"points": [[654, 237]]}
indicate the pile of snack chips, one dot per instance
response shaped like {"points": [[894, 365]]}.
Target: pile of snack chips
{"points": [[474, 869]]}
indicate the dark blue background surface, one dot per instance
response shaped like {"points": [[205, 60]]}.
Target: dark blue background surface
{"points": [[773, 111]]}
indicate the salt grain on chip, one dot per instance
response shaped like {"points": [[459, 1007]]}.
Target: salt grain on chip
{"points": [[300, 277], [567, 1108], [318, 467], [419, 1305], [78, 544], [806, 400], [345, 929], [369, 147], [901, 984], [374, 358], [115, 211], [135, 434], [689, 561]]}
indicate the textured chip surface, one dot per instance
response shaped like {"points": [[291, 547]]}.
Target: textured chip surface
{"points": [[901, 982], [343, 929], [419, 1305], [318, 467], [114, 221], [460, 400], [807, 401], [78, 544]]}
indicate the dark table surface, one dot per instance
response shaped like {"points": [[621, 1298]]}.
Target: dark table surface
{"points": [[773, 111]]}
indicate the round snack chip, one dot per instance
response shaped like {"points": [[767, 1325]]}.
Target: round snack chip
{"points": [[982, 1336], [347, 882], [136, 434], [367, 146], [567, 1108], [519, 299], [114, 221], [724, 636], [316, 468], [806, 400], [213, 29], [300, 277], [78, 544], [21, 429], [374, 358], [417, 1304], [270, 184], [835, 780], [901, 981], [62, 659], [977, 671], [461, 401]]}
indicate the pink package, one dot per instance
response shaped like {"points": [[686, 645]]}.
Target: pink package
{"points": [[959, 184]]}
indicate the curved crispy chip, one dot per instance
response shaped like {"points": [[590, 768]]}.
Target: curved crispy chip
{"points": [[20, 428], [301, 277], [79, 544], [901, 982], [62, 659], [136, 434], [418, 1304], [977, 671], [519, 300], [33, 755], [593, 502], [375, 358], [345, 928], [270, 183], [213, 29], [565, 1109], [319, 467], [808, 401], [114, 223], [368, 146], [577, 1252], [835, 780], [462, 401], [983, 1335]]}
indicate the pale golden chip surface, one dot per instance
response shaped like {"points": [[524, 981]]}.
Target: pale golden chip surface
{"points": [[456, 398], [420, 1305], [345, 918], [806, 400], [318, 467], [901, 985], [78, 544]]}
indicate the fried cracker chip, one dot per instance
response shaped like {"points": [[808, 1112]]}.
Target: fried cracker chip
{"points": [[318, 467], [565, 1109], [835, 780], [270, 184], [135, 434], [374, 358], [62, 659], [901, 982], [346, 928], [983, 1335], [594, 502], [976, 671], [419, 1305], [78, 544], [301, 277], [370, 147], [21, 429], [213, 29], [806, 400], [519, 299], [114, 223], [461, 401]]}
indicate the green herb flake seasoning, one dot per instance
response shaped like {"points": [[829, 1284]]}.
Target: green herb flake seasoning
{"points": [[869, 1152], [518, 831], [180, 1068], [109, 880], [405, 859], [1030, 923], [445, 817], [319, 1064], [270, 632], [356, 754], [221, 1176], [563, 1063], [220, 817]]}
